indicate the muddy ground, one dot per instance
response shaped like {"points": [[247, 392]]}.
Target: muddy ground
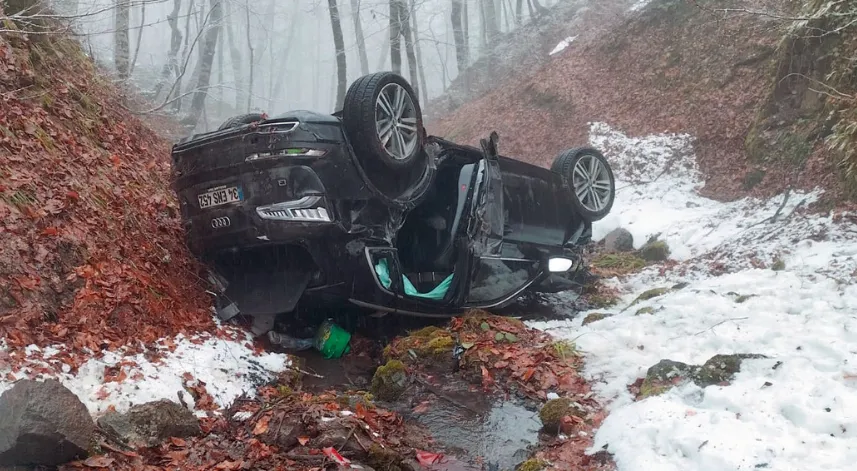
{"points": [[468, 394]]}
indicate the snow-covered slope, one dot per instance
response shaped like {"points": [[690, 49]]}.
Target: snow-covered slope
{"points": [[224, 366], [796, 409]]}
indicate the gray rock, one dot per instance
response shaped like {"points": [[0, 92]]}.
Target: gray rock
{"points": [[655, 251], [284, 431], [149, 424], [721, 368], [42, 423], [619, 240], [594, 317], [664, 375]]}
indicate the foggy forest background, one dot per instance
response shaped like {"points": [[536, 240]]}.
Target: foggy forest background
{"points": [[206, 60]]}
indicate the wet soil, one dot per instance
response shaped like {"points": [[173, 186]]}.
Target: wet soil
{"points": [[473, 430]]}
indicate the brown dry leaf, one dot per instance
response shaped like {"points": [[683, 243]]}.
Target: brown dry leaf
{"points": [[179, 442], [262, 425], [303, 440], [228, 465], [98, 461]]}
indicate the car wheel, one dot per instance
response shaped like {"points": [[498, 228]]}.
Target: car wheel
{"points": [[241, 120], [588, 181], [383, 120]]}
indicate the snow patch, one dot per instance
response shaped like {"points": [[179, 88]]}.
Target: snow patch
{"points": [[639, 5], [797, 409], [562, 45], [227, 367]]}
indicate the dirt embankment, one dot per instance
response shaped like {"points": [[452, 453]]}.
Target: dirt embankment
{"points": [[91, 252], [672, 67]]}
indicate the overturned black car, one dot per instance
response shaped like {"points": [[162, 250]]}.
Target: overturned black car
{"points": [[362, 207]]}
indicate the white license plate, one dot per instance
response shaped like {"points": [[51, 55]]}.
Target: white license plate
{"points": [[220, 196]]}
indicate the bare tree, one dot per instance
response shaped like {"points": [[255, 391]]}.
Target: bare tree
{"points": [[252, 56], [519, 11], [420, 67], [382, 59], [395, 34], [235, 58], [139, 37], [339, 44], [458, 36], [175, 44], [358, 33], [286, 52], [405, 23], [121, 40], [209, 47]]}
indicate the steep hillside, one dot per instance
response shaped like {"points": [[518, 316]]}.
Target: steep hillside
{"points": [[670, 67], [90, 241]]}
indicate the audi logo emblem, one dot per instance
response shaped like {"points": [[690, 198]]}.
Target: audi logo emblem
{"points": [[218, 223]]}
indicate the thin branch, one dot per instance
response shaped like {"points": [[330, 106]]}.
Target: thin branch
{"points": [[841, 95]]}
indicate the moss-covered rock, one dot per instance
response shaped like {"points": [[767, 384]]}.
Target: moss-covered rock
{"points": [[664, 375], [554, 410], [594, 317], [532, 464], [645, 310], [779, 265], [721, 368], [650, 294], [655, 251], [390, 381], [384, 459]]}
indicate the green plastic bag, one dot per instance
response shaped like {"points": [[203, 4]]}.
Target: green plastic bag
{"points": [[332, 341]]}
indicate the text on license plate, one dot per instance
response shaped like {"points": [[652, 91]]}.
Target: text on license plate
{"points": [[220, 196]]}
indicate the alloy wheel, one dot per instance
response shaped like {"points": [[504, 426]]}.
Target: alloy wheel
{"points": [[396, 121], [592, 183]]}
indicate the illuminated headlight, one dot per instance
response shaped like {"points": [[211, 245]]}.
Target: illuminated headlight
{"points": [[559, 264], [293, 152], [304, 209]]}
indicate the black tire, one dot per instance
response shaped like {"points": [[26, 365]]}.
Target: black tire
{"points": [[359, 120], [241, 120], [564, 164]]}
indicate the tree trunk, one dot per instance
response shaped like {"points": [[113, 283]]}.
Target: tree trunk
{"points": [[483, 33], [465, 27], [287, 50], [252, 57], [235, 58], [415, 28], [209, 46], [339, 45], [358, 33], [458, 36], [540, 10], [220, 92], [519, 6], [121, 40], [175, 45], [139, 38], [405, 21], [382, 59], [395, 34]]}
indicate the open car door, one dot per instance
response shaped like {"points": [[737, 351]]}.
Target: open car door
{"points": [[476, 229]]}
